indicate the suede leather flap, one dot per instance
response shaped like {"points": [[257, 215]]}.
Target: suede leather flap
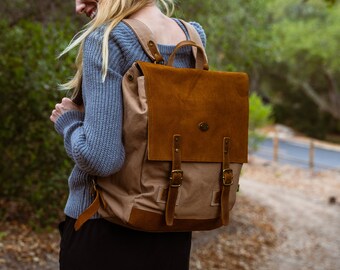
{"points": [[202, 106]]}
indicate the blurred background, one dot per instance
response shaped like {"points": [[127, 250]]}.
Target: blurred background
{"points": [[289, 48]]}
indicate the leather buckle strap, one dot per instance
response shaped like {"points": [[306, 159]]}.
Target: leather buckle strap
{"points": [[146, 39], [176, 178], [227, 177], [227, 181], [155, 52], [175, 182], [195, 37], [92, 209]]}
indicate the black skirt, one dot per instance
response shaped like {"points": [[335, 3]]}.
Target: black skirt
{"points": [[101, 245]]}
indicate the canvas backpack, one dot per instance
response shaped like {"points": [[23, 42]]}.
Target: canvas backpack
{"points": [[185, 133]]}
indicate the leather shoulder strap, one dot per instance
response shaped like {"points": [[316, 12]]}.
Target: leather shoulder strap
{"points": [[146, 39], [194, 36]]}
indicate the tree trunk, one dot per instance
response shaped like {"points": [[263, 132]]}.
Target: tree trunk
{"points": [[327, 103]]}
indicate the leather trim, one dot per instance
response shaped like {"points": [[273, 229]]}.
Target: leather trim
{"points": [[175, 180], [146, 39], [227, 181], [194, 36], [179, 99], [154, 222]]}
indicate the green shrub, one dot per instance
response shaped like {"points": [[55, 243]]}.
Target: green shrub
{"points": [[259, 116], [34, 167]]}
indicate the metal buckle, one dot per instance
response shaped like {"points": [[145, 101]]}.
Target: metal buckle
{"points": [[176, 185], [94, 188], [162, 62], [229, 172]]}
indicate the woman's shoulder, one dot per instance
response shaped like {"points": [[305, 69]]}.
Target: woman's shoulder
{"points": [[123, 46], [198, 27], [200, 31], [123, 36], [121, 32]]}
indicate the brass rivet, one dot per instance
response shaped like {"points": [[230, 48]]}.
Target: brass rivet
{"points": [[150, 43], [176, 150], [176, 139], [203, 126], [130, 77]]}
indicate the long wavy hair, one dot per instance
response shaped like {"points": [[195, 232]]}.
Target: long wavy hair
{"points": [[110, 13]]}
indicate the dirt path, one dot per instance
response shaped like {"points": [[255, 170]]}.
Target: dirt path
{"points": [[307, 225], [309, 228], [242, 245]]}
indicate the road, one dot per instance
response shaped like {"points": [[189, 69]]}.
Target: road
{"points": [[297, 153]]}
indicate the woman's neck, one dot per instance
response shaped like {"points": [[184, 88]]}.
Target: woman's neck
{"points": [[148, 13], [165, 30]]}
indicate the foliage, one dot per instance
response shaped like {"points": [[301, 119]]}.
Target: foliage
{"points": [[44, 11], [259, 116], [33, 167], [236, 31], [309, 37]]}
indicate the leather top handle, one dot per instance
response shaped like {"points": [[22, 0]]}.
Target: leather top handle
{"points": [[201, 60]]}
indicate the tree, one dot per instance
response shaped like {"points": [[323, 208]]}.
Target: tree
{"points": [[308, 35], [237, 32], [13, 11], [34, 167]]}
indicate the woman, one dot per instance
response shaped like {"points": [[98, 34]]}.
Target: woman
{"points": [[93, 134]]}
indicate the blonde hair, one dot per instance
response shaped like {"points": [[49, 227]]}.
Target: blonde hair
{"points": [[109, 12]]}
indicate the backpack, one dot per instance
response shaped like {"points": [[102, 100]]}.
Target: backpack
{"points": [[185, 133]]}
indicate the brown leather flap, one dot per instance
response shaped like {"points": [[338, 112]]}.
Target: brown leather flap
{"points": [[202, 106]]}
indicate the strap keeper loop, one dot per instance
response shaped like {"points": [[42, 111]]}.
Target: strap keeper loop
{"points": [[227, 177], [176, 178]]}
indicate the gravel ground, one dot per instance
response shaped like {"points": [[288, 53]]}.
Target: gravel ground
{"points": [[306, 211], [282, 220], [242, 245]]}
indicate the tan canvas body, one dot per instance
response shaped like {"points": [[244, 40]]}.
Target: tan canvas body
{"points": [[160, 102]]}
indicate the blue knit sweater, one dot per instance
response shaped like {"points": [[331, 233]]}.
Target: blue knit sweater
{"points": [[93, 139]]}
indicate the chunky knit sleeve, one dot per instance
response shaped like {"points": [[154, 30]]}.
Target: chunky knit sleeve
{"points": [[94, 139], [200, 31]]}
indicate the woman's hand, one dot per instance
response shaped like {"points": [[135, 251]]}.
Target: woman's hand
{"points": [[65, 106]]}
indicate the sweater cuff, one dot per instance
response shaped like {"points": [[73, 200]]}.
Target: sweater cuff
{"points": [[68, 118]]}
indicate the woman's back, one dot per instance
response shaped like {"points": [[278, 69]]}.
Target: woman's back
{"points": [[165, 30]]}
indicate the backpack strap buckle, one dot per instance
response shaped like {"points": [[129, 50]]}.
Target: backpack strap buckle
{"points": [[176, 179], [227, 177], [227, 181], [93, 208]]}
